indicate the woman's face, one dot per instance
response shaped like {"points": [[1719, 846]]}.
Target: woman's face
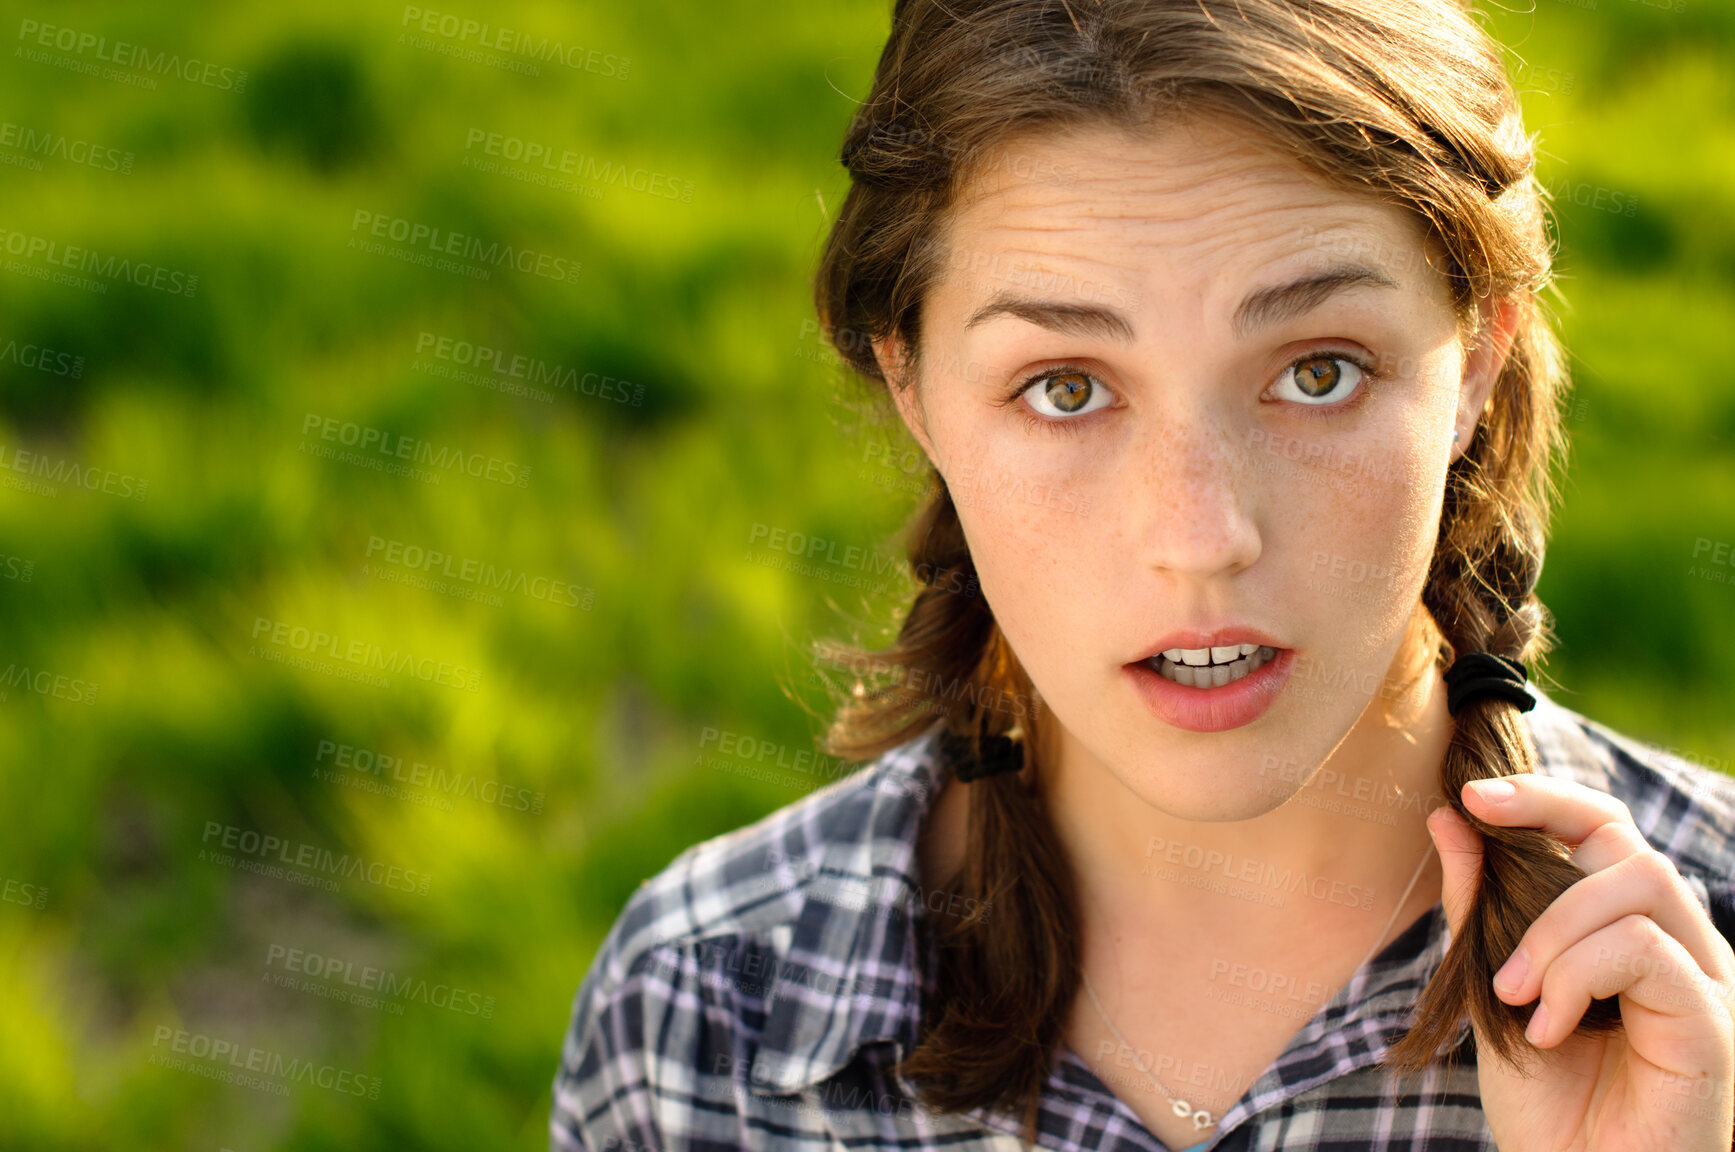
{"points": [[1190, 400]]}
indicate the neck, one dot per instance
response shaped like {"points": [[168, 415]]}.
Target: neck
{"points": [[1334, 858]]}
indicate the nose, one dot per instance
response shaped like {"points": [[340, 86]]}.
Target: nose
{"points": [[1192, 496]]}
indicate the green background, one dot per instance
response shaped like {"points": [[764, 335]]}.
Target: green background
{"points": [[648, 509]]}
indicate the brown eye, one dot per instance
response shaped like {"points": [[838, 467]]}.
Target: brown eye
{"points": [[1068, 392], [1319, 380], [1317, 377]]}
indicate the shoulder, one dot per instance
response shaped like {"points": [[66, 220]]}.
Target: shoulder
{"points": [[1685, 810], [757, 879], [674, 1003]]}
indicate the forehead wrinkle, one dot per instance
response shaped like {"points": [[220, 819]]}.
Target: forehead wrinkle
{"points": [[1177, 172], [1223, 266], [1233, 220], [1216, 211], [1227, 217]]}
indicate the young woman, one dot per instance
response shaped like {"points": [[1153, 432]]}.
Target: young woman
{"points": [[1213, 805]]}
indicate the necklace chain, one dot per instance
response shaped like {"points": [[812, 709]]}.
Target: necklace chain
{"points": [[1201, 1118]]}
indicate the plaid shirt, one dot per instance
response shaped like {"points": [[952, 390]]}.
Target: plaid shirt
{"points": [[756, 993]]}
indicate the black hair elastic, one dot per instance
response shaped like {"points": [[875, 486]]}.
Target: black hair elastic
{"points": [[1485, 674], [999, 754]]}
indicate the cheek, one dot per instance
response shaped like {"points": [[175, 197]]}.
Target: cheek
{"points": [[1042, 539], [1024, 506], [1039, 566], [1361, 526], [1025, 553]]}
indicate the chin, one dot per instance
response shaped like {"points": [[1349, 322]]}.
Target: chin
{"points": [[1238, 775]]}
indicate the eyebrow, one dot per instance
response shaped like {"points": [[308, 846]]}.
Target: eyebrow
{"points": [[1069, 319], [1283, 301], [1265, 307]]}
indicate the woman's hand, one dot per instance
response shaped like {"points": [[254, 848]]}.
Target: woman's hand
{"points": [[1666, 1081]]}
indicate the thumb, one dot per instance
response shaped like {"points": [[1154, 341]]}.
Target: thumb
{"points": [[1460, 849]]}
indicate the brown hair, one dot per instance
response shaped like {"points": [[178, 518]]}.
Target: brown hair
{"points": [[1405, 100]]}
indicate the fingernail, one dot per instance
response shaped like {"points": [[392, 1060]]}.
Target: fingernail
{"points": [[1511, 975], [1494, 791], [1538, 1024]]}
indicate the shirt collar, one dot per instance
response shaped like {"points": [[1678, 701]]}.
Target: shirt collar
{"points": [[849, 976]]}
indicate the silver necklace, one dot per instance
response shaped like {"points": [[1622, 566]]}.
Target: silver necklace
{"points": [[1200, 1117]]}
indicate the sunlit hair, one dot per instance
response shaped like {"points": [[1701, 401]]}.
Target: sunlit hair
{"points": [[1402, 100]]}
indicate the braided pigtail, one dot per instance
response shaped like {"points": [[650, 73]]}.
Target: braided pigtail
{"points": [[1481, 594], [1007, 976], [1008, 972], [934, 665]]}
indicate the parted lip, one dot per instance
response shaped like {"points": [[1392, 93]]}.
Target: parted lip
{"points": [[1216, 638]]}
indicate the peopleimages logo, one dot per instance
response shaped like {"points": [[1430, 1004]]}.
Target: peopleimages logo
{"points": [[357, 979], [518, 366], [123, 54], [1260, 873], [120, 269], [63, 471], [28, 895], [479, 573], [362, 654], [463, 785], [445, 242], [35, 144], [45, 683], [308, 858], [236, 1060], [43, 359], [462, 31], [395, 447], [565, 162]]}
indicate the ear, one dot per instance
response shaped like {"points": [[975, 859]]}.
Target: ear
{"points": [[1485, 359], [890, 353]]}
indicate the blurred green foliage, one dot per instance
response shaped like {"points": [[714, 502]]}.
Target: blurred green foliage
{"points": [[696, 304]]}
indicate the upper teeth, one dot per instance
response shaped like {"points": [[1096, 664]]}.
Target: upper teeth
{"points": [[1199, 657], [1211, 667]]}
